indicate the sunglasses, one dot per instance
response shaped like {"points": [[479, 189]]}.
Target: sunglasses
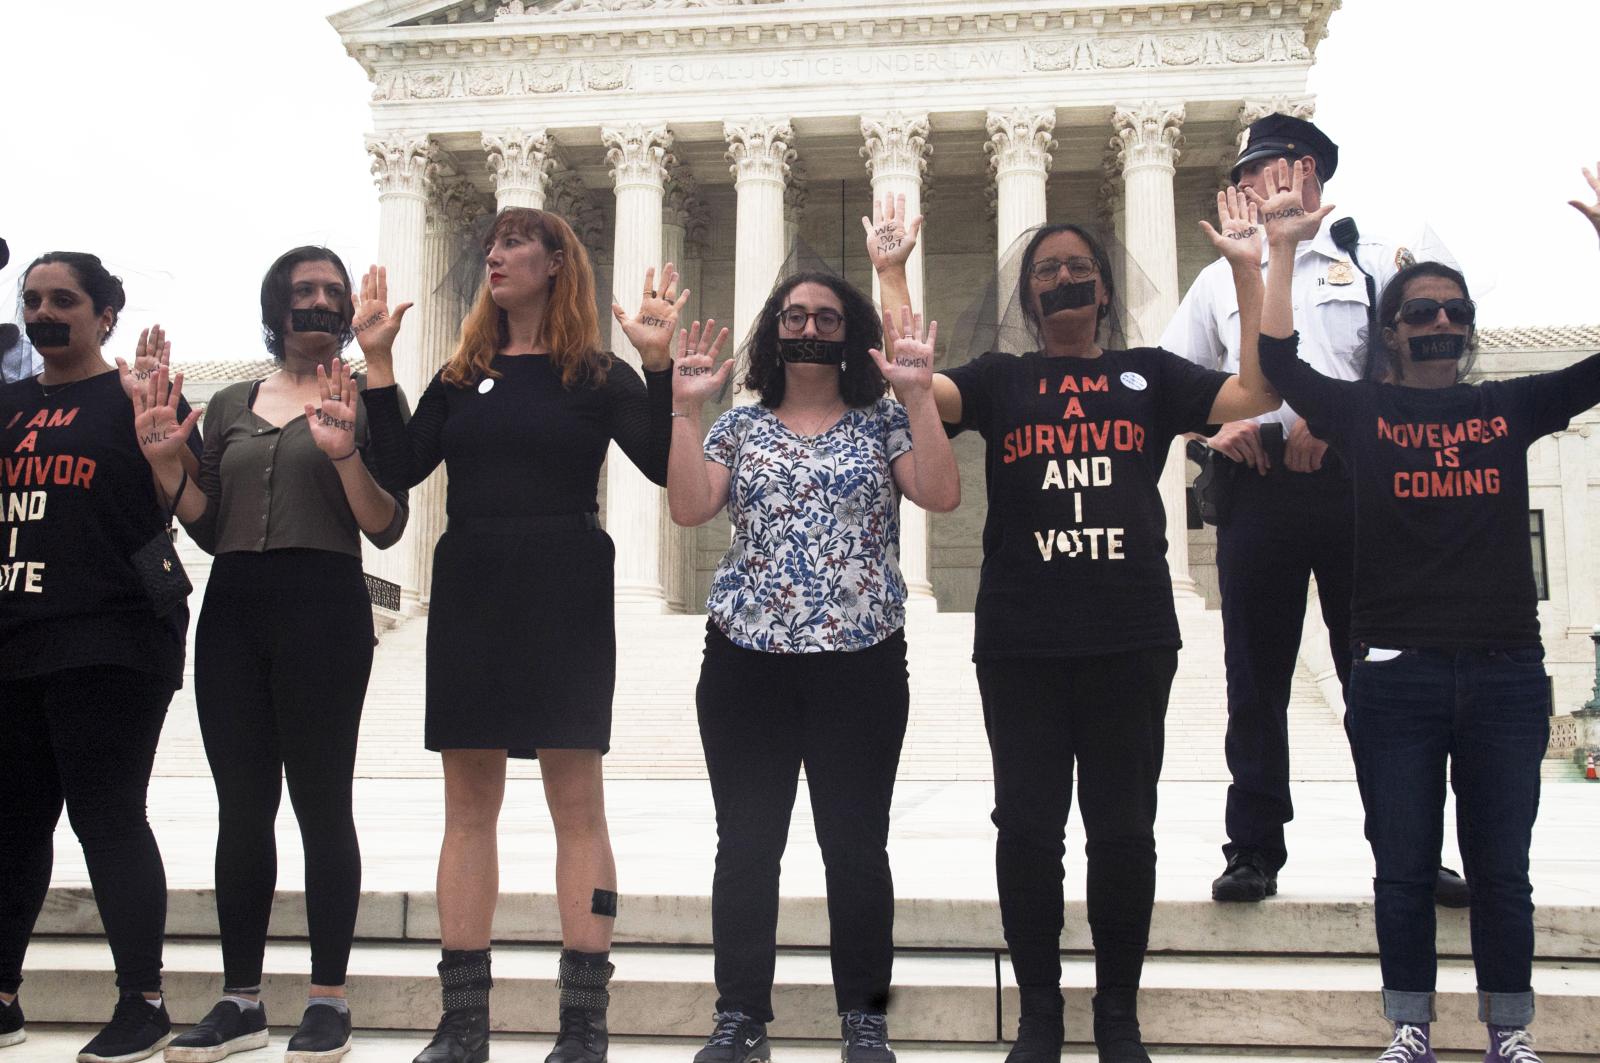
{"points": [[794, 319], [1425, 311], [1079, 268]]}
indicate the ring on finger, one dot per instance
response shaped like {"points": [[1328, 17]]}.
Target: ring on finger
{"points": [[649, 293]]}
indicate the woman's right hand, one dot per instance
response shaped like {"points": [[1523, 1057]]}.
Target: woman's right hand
{"points": [[374, 326], [162, 436], [696, 376], [1283, 213], [152, 352], [1590, 210], [891, 236], [1237, 237]]}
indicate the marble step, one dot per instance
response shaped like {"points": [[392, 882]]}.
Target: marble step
{"points": [[946, 997], [1281, 926]]}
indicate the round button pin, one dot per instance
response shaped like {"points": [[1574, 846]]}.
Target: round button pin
{"points": [[1134, 380], [486, 385]]}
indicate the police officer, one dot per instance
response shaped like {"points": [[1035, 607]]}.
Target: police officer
{"points": [[1290, 509]]}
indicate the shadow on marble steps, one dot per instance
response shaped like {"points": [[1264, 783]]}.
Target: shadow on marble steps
{"points": [[1281, 926], [1270, 1001]]}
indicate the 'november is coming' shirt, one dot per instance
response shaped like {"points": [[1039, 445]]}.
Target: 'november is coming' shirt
{"points": [[1441, 486], [1074, 546]]}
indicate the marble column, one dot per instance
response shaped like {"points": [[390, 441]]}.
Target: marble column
{"points": [[403, 168], [1019, 147], [676, 541], [521, 163], [1148, 136], [639, 158], [795, 194], [759, 156], [1579, 574], [896, 151]]}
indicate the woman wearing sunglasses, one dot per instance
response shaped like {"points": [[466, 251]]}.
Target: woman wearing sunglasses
{"points": [[1448, 660], [805, 660]]}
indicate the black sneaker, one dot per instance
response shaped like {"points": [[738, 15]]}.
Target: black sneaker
{"points": [[323, 1036], [136, 1031], [866, 1037], [1450, 890], [226, 1029], [11, 1031], [737, 1038], [1246, 879]]}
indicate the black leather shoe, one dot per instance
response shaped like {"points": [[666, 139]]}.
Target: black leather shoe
{"points": [[323, 1036], [462, 1037], [1246, 879], [583, 1037], [1040, 1030], [1116, 1028], [1450, 890]]}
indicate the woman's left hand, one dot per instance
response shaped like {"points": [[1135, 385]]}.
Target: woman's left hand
{"points": [[652, 328], [374, 326], [891, 236], [333, 419], [911, 371], [152, 352], [1239, 239], [1590, 210], [1283, 212]]}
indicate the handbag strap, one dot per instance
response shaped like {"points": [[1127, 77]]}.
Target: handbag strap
{"points": [[172, 510]]}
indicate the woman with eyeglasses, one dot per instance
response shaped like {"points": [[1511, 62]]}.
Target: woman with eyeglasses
{"points": [[805, 659], [1077, 639], [1444, 628]]}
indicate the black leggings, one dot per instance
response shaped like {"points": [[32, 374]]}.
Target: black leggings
{"points": [[85, 737], [283, 649], [1108, 714], [763, 715]]}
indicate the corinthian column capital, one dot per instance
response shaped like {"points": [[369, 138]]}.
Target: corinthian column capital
{"points": [[896, 144], [759, 148], [638, 154], [1148, 133], [453, 204], [402, 163], [520, 161], [1019, 139]]}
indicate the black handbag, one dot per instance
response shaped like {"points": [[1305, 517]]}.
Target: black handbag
{"points": [[159, 567]]}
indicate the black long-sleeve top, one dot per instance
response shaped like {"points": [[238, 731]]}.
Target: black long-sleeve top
{"points": [[1441, 496], [522, 444]]}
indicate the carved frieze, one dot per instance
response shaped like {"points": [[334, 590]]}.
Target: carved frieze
{"points": [[1214, 48], [519, 9]]}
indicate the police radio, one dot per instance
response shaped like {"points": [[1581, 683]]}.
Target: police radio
{"points": [[1346, 236]]}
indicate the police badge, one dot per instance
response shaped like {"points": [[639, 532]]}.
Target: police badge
{"points": [[1341, 272], [1404, 259]]}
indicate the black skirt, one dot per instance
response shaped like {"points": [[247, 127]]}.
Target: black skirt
{"points": [[522, 643]]}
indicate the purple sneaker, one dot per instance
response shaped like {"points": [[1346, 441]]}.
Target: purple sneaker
{"points": [[1410, 1045], [1510, 1044]]}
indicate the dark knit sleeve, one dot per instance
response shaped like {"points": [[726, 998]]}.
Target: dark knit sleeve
{"points": [[641, 416], [402, 501], [406, 451], [219, 413], [1319, 399]]}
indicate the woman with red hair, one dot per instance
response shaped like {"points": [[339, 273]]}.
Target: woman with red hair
{"points": [[521, 642]]}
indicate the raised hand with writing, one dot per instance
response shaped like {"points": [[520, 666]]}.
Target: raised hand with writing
{"points": [[1238, 236], [910, 369], [151, 353], [1283, 210], [650, 330], [696, 376], [333, 418], [891, 236], [162, 435], [375, 327], [1590, 210]]}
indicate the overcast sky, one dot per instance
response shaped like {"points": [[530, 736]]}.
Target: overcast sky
{"points": [[189, 143]]}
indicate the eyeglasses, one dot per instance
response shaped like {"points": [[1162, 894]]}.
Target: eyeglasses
{"points": [[1425, 311], [794, 319], [1079, 268]]}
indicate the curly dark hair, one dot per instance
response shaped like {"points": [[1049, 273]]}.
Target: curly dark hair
{"points": [[860, 383], [275, 296], [1382, 363]]}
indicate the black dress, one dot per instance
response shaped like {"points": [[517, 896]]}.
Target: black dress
{"points": [[521, 639]]}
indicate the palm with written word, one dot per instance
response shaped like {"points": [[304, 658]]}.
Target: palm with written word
{"points": [[161, 433], [152, 352], [375, 327], [910, 371], [891, 236], [1238, 236], [650, 329], [333, 418], [696, 376], [1283, 212]]}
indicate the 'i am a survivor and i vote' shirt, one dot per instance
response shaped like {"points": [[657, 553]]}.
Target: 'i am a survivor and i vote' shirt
{"points": [[1074, 546], [1441, 496]]}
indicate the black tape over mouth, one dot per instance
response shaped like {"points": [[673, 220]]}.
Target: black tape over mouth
{"points": [[1438, 346], [1071, 296], [813, 352], [49, 333], [315, 320]]}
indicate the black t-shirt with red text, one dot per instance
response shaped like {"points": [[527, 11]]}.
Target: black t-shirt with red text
{"points": [[77, 500], [1074, 546], [1441, 486]]}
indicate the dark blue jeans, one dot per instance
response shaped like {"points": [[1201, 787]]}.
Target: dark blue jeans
{"points": [[1487, 713]]}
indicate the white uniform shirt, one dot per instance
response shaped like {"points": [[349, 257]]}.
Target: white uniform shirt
{"points": [[1330, 317]]}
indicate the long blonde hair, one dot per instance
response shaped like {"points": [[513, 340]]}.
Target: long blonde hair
{"points": [[571, 323]]}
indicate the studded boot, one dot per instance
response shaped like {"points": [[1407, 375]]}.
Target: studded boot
{"points": [[584, 977], [463, 1032]]}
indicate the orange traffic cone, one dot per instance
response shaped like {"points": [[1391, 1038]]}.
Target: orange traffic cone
{"points": [[1589, 769]]}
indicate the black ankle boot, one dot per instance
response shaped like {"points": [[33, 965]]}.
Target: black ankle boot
{"points": [[1040, 1029], [584, 998], [463, 1032], [1116, 1027]]}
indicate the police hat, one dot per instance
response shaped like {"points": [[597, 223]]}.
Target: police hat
{"points": [[1279, 136]]}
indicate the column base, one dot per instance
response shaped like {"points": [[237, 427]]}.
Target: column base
{"points": [[921, 604], [641, 601]]}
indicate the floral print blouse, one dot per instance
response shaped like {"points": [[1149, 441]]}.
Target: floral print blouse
{"points": [[815, 560]]}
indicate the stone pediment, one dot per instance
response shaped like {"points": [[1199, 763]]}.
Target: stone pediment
{"points": [[388, 14]]}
